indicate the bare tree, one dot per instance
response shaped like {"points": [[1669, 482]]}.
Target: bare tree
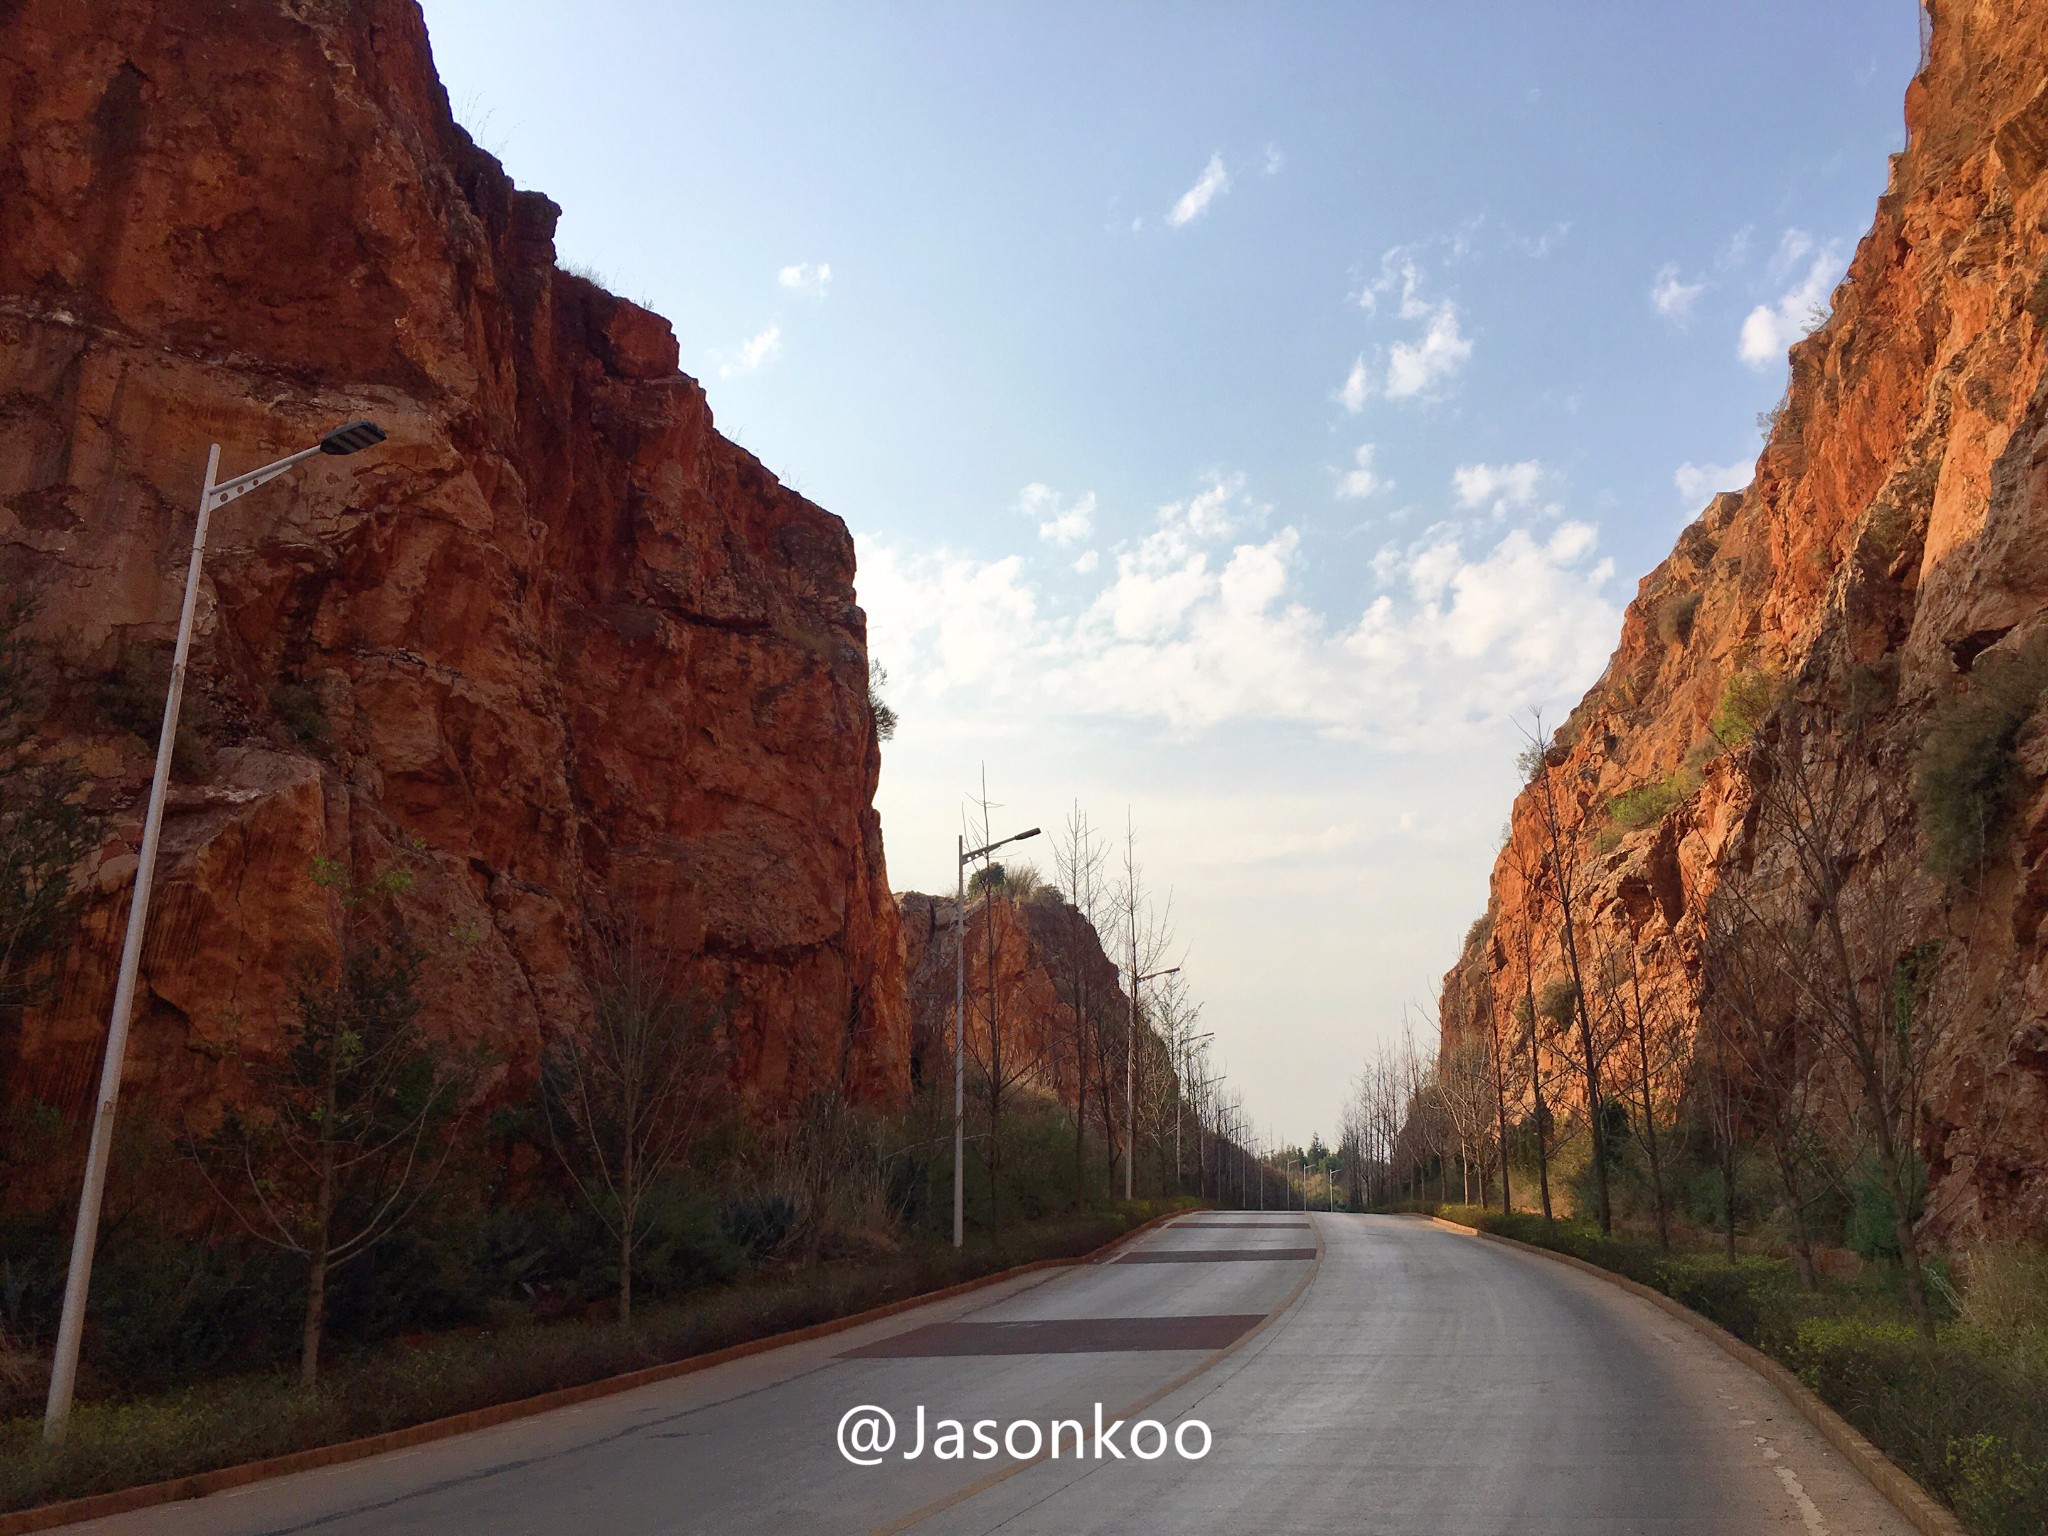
{"points": [[1078, 867], [1145, 936], [44, 830], [624, 1095], [1831, 900], [1560, 829], [354, 1121], [1755, 1027], [1528, 871], [1465, 1090], [1634, 1019]]}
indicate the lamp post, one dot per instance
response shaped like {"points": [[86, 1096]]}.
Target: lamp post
{"points": [[1131, 1063], [351, 438], [960, 1025]]}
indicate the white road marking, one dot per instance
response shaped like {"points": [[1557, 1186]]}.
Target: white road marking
{"points": [[1807, 1511]]}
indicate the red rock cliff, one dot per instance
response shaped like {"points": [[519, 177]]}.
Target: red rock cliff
{"points": [[573, 649], [1044, 957], [1895, 535]]}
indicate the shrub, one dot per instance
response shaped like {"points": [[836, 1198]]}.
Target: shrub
{"points": [[302, 712], [1971, 1427], [1740, 1296], [884, 714], [1967, 776], [1648, 803], [758, 1224], [1558, 1001], [1746, 698], [1675, 617], [131, 694], [685, 1245], [2005, 1289]]}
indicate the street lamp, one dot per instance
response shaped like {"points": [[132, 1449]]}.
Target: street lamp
{"points": [[960, 1025], [1131, 1064], [351, 438]]}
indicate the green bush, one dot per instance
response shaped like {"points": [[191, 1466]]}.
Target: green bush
{"points": [[130, 696], [1648, 803], [1872, 1225], [302, 712], [1971, 1426], [1744, 1297], [1967, 778], [1746, 698]]}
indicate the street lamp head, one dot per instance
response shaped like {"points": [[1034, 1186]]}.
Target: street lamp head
{"points": [[353, 438], [1022, 835]]}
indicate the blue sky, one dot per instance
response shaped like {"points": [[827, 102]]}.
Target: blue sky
{"points": [[1244, 413]]}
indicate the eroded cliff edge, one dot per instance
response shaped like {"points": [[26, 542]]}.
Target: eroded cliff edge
{"points": [[1894, 538], [558, 644]]}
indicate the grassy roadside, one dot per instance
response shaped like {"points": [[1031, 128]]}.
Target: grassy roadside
{"points": [[245, 1418], [1966, 1415]]}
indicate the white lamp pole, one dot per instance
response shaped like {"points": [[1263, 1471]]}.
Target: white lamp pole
{"points": [[964, 853], [78, 1279]]}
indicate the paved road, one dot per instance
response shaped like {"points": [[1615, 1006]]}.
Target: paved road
{"points": [[1358, 1374]]}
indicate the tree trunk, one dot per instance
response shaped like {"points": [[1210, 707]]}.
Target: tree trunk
{"points": [[1500, 1106], [316, 1319], [1902, 1229], [1649, 1108], [323, 1235], [1802, 1238], [625, 1271], [1728, 1184], [1080, 1087], [1536, 1087]]}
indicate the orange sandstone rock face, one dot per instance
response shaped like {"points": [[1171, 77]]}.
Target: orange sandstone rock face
{"points": [[557, 644], [1044, 958], [1896, 532]]}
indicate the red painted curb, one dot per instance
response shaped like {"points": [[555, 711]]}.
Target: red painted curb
{"points": [[1920, 1507], [121, 1501]]}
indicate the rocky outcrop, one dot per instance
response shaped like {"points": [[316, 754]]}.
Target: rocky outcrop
{"points": [[1055, 995], [1892, 541], [557, 646]]}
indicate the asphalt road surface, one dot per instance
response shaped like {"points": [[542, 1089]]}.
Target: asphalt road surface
{"points": [[1355, 1374]]}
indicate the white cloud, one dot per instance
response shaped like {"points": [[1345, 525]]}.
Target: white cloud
{"points": [[1420, 367], [810, 281], [1060, 523], [1398, 271], [1276, 162], [1696, 482], [1197, 627], [1508, 487], [1363, 481], [1771, 328], [1090, 558], [1213, 181], [753, 353], [1357, 387], [1672, 298]]}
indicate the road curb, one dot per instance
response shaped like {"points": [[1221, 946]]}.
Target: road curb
{"points": [[1886, 1476], [122, 1501]]}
